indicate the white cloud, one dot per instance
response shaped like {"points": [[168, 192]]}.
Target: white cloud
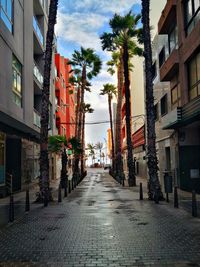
{"points": [[82, 30], [104, 6]]}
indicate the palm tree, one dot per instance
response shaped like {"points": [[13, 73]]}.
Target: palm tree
{"points": [[44, 194], [124, 29], [110, 90], [99, 146], [58, 144], [91, 148], [89, 65], [117, 62], [154, 188], [86, 109]]}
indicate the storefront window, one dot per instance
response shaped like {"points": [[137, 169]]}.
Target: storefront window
{"points": [[2, 158]]}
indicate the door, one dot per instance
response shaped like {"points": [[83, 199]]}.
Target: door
{"points": [[13, 161]]}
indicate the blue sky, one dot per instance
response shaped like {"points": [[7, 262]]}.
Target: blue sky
{"points": [[80, 23]]}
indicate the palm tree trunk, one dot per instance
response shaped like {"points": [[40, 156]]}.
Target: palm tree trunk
{"points": [[76, 173], [77, 112], [83, 145], [154, 188], [111, 127], [118, 143], [130, 163], [44, 194], [64, 176]]}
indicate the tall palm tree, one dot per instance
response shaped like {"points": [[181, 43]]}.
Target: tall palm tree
{"points": [[124, 30], [44, 193], [117, 62], [91, 148], [110, 90], [99, 146], [86, 109], [154, 188], [89, 65]]}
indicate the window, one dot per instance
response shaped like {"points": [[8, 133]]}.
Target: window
{"points": [[194, 76], [162, 57], [17, 82], [173, 39], [156, 112], [175, 95], [192, 14], [154, 71], [6, 13], [163, 105]]}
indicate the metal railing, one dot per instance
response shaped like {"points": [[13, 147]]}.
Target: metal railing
{"points": [[36, 118], [37, 30], [37, 73]]}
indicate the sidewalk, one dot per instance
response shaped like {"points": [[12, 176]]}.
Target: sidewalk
{"points": [[19, 202], [185, 198]]}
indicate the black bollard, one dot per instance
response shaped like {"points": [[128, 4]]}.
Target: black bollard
{"points": [[11, 209], [59, 193], [65, 190], [72, 183], [27, 207], [194, 204], [156, 197], [175, 197], [141, 192], [69, 186], [167, 197]]}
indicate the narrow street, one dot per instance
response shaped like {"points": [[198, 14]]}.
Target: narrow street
{"points": [[102, 224]]}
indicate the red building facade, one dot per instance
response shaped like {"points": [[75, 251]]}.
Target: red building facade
{"points": [[65, 98]]}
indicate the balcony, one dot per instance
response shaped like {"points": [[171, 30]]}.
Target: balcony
{"points": [[169, 67], [191, 111], [37, 74], [167, 17], [172, 119], [38, 38], [36, 118]]}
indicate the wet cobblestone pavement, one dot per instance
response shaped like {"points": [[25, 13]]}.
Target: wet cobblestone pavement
{"points": [[102, 224]]}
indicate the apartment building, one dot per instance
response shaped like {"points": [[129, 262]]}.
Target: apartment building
{"points": [[23, 26], [179, 64], [65, 98], [165, 139]]}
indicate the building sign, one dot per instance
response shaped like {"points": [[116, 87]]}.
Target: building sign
{"points": [[2, 159]]}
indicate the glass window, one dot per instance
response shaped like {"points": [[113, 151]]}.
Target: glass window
{"points": [[2, 158], [192, 14], [6, 13], [163, 105], [173, 39], [194, 76], [17, 82]]}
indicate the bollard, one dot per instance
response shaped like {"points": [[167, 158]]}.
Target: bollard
{"points": [[167, 197], [141, 192], [65, 189], [156, 197], [59, 193], [123, 182], [72, 183], [11, 209], [194, 204], [69, 186], [175, 197], [27, 207]]}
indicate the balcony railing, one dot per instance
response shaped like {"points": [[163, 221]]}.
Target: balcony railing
{"points": [[38, 31], [38, 75], [36, 118]]}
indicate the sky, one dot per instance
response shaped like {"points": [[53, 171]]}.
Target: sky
{"points": [[80, 23]]}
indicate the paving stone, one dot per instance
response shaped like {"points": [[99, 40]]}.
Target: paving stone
{"points": [[102, 224]]}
